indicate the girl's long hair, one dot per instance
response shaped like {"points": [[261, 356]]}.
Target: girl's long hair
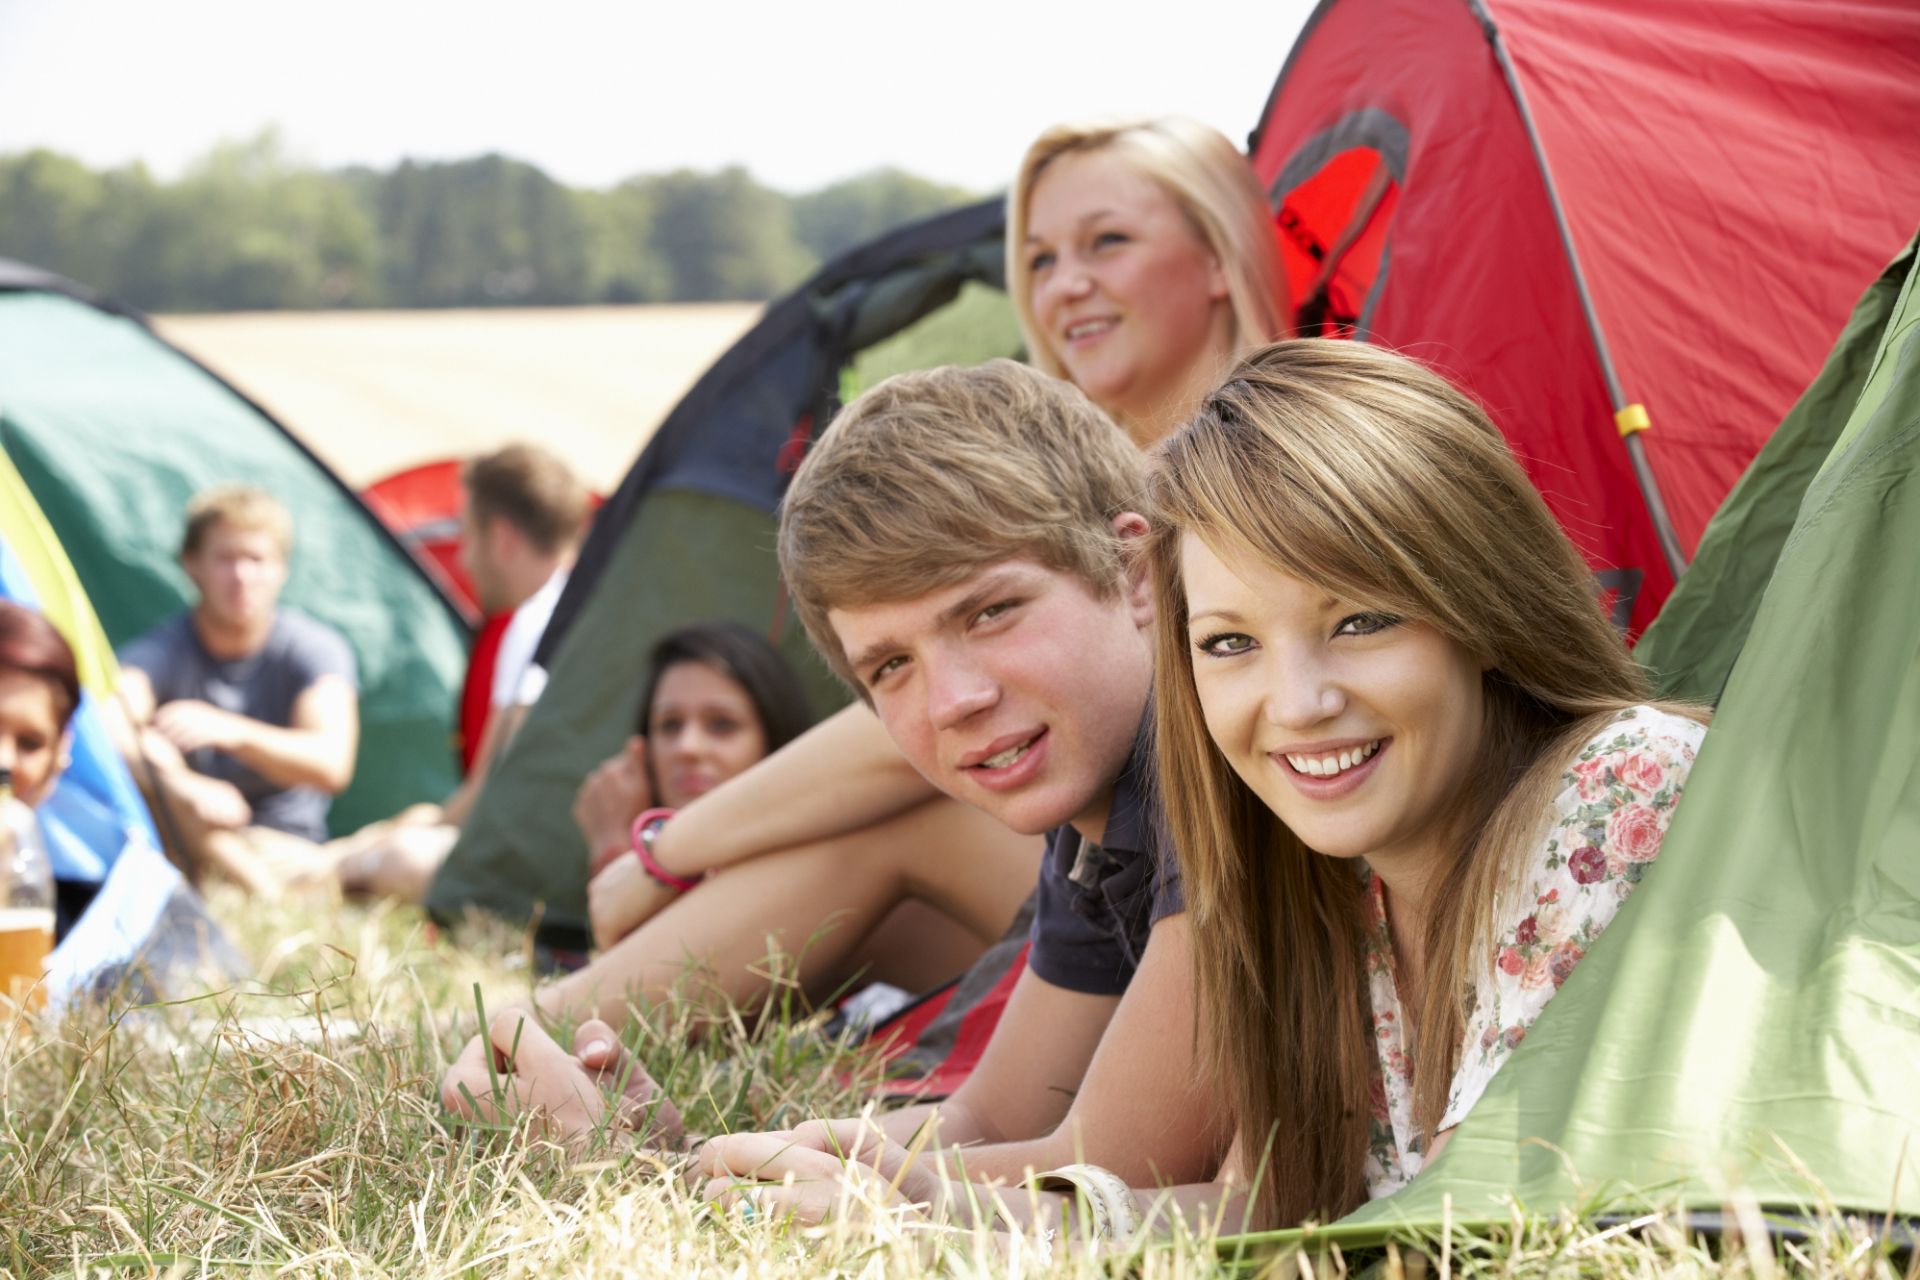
{"points": [[1364, 474]]}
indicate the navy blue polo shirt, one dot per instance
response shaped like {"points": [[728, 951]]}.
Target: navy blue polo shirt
{"points": [[1097, 903]]}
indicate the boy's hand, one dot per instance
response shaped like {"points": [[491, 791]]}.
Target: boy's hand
{"points": [[566, 1093], [191, 724], [614, 794]]}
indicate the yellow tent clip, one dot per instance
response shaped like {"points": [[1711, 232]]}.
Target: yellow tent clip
{"points": [[1631, 419]]}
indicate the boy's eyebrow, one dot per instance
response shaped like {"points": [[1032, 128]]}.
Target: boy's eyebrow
{"points": [[973, 602], [871, 653]]}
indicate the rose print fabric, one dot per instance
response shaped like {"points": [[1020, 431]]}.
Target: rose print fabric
{"points": [[1606, 826]]}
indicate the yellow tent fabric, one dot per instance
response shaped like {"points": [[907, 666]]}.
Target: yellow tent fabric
{"points": [[24, 528]]}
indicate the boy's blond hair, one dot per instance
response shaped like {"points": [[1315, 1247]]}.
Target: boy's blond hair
{"points": [[934, 475], [241, 506]]}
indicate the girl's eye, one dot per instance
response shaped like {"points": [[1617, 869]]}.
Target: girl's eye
{"points": [[721, 726], [1039, 262], [1225, 644], [1107, 239], [1365, 624], [669, 728]]}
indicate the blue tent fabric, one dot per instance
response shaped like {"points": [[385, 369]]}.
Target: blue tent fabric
{"points": [[96, 809], [145, 934]]}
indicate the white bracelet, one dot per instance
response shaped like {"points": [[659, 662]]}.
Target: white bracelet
{"points": [[1105, 1195]]}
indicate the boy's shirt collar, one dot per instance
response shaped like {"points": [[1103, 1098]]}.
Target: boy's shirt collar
{"points": [[1129, 820]]}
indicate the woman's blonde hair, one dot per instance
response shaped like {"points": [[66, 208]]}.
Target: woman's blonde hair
{"points": [[1366, 475], [1212, 184]]}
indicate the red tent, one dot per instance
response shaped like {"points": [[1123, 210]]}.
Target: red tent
{"points": [[422, 505], [1631, 227]]}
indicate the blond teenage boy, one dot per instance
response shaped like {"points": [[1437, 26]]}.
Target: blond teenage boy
{"points": [[956, 545], [246, 713]]}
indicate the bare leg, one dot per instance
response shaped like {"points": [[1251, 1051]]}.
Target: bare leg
{"points": [[400, 866], [815, 902], [202, 848], [376, 833], [229, 855], [916, 947], [260, 860]]}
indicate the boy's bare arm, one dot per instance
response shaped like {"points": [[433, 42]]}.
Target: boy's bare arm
{"points": [[843, 775], [134, 693], [1142, 1109], [501, 726], [316, 750], [1026, 1078]]}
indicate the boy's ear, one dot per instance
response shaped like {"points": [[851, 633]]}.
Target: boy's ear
{"points": [[1132, 526]]}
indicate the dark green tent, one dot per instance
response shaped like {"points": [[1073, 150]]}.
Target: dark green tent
{"points": [[689, 536], [113, 430]]}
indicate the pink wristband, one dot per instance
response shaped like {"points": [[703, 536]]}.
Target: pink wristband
{"points": [[645, 828]]}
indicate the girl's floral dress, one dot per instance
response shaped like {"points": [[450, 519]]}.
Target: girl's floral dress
{"points": [[1606, 826]]}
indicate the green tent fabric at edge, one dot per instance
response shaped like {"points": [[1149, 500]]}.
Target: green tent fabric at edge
{"points": [[113, 431], [1748, 1031]]}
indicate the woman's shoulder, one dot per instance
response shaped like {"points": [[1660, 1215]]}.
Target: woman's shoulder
{"points": [[1604, 827], [1619, 791], [1633, 745]]}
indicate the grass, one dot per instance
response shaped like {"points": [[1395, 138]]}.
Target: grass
{"points": [[293, 1127]]}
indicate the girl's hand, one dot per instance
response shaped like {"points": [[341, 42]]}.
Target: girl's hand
{"points": [[786, 1175], [621, 898], [614, 794]]}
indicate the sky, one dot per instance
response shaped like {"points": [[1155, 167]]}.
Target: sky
{"points": [[801, 94]]}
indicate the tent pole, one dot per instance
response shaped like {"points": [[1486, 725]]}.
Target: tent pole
{"points": [[1643, 475], [1656, 504]]}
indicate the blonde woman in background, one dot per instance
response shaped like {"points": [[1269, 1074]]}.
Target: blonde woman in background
{"points": [[1141, 260]]}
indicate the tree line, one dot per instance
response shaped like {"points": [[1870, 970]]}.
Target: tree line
{"points": [[247, 228]]}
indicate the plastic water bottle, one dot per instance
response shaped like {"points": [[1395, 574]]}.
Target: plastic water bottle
{"points": [[26, 902]]}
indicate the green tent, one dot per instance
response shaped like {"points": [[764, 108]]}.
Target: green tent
{"points": [[1749, 1027], [113, 430], [688, 537]]}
